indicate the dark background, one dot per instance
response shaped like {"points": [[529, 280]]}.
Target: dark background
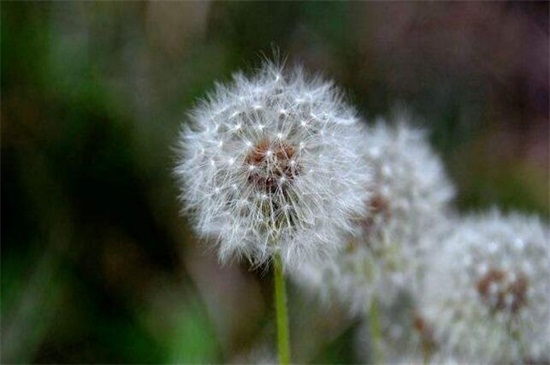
{"points": [[98, 266]]}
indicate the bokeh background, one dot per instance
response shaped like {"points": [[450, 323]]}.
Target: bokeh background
{"points": [[97, 264]]}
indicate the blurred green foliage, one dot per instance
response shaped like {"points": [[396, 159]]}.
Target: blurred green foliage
{"points": [[97, 264]]}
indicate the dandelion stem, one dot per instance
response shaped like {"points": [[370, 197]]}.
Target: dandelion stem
{"points": [[375, 332], [282, 316]]}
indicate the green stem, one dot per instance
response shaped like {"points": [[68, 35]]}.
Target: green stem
{"points": [[282, 316], [375, 332], [427, 346]]}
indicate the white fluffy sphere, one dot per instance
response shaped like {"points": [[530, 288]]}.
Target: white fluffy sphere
{"points": [[487, 291], [410, 198], [272, 163]]}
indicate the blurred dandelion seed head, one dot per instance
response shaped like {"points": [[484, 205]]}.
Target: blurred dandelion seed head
{"points": [[411, 187], [410, 198], [487, 293]]}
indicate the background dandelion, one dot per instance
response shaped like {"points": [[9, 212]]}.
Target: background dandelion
{"points": [[486, 295], [410, 201]]}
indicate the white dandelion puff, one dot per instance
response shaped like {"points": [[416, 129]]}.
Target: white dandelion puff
{"points": [[487, 293], [272, 163], [410, 198]]}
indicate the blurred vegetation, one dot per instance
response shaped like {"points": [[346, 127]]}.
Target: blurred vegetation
{"points": [[97, 264]]}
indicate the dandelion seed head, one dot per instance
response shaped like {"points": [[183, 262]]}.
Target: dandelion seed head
{"points": [[410, 186], [410, 198], [302, 185], [493, 309]]}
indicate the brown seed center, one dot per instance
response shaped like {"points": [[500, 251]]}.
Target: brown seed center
{"points": [[378, 207], [501, 291], [271, 165], [426, 333]]}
